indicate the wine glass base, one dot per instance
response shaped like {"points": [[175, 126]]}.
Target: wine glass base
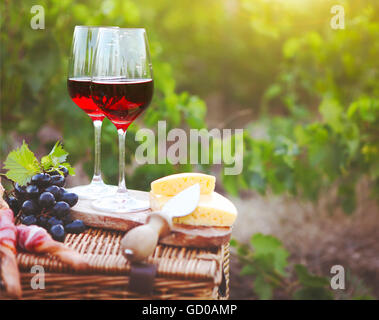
{"points": [[93, 191], [120, 204]]}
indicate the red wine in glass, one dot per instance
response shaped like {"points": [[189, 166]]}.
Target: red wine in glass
{"points": [[122, 100], [79, 90]]}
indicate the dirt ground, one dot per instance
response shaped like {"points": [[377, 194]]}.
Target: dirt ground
{"points": [[315, 235]]}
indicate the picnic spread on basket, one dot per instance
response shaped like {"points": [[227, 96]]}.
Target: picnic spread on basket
{"points": [[93, 240], [185, 211]]}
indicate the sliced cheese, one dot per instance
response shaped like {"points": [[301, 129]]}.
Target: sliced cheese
{"points": [[213, 210], [173, 184]]}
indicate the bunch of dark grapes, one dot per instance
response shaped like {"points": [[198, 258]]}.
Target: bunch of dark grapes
{"points": [[46, 203]]}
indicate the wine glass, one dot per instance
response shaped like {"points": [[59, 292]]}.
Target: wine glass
{"points": [[122, 87], [78, 84]]}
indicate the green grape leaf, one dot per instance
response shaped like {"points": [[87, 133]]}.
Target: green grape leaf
{"points": [[263, 289], [56, 156], [309, 280], [46, 162], [21, 164], [266, 262], [268, 247]]}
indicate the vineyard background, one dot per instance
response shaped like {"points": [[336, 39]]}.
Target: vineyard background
{"points": [[307, 96]]}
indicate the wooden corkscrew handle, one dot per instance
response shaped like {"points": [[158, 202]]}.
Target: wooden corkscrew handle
{"points": [[140, 242]]}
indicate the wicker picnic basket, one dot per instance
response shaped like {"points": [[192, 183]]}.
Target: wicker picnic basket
{"points": [[182, 273]]}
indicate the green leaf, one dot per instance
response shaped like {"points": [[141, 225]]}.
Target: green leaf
{"points": [[56, 156], [21, 165], [266, 262], [46, 162], [59, 152], [309, 280], [263, 289], [266, 246]]}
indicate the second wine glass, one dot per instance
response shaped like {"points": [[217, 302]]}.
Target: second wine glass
{"points": [[122, 87]]}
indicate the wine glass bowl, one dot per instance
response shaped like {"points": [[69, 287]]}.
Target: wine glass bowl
{"points": [[122, 100]]}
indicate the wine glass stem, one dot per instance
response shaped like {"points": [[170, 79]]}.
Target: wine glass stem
{"points": [[97, 168], [121, 165]]}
